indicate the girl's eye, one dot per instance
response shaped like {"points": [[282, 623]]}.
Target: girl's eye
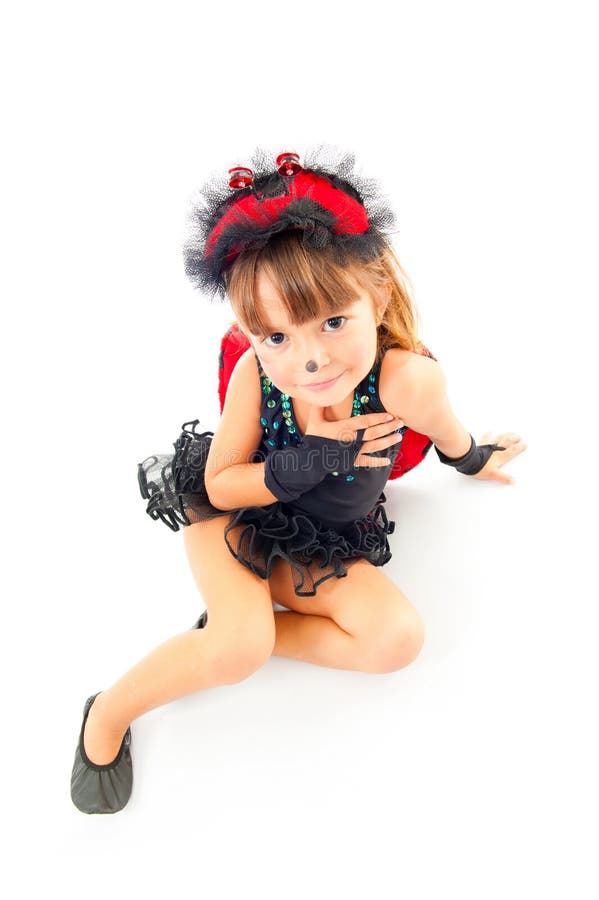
{"points": [[270, 336], [276, 333], [336, 319]]}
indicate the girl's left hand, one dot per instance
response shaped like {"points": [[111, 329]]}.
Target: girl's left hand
{"points": [[491, 469]]}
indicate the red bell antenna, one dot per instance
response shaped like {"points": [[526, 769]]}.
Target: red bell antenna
{"points": [[240, 177], [288, 164]]}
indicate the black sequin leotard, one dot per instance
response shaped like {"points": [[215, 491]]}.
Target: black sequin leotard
{"points": [[340, 520]]}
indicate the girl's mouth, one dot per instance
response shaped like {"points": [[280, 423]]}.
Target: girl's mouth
{"points": [[324, 385]]}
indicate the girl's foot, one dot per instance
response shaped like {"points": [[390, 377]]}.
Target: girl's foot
{"points": [[100, 741], [101, 787]]}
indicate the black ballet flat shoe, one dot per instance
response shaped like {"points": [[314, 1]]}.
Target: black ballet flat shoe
{"points": [[201, 623], [101, 788]]}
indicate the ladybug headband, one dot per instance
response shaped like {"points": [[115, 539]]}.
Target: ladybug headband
{"points": [[324, 198]]}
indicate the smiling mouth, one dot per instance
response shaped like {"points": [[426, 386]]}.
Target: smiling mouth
{"points": [[321, 383]]}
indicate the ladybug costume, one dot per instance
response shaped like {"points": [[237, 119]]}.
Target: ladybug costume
{"points": [[342, 517]]}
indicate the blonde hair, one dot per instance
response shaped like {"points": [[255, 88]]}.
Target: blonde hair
{"points": [[312, 280]]}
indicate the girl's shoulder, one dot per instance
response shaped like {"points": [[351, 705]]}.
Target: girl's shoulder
{"points": [[399, 362], [399, 369]]}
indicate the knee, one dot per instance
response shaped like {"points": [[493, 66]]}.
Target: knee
{"points": [[402, 642], [243, 647]]}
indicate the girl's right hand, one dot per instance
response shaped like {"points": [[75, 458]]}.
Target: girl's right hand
{"points": [[378, 433]]}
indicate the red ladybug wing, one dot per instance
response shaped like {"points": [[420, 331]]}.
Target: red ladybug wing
{"points": [[232, 346]]}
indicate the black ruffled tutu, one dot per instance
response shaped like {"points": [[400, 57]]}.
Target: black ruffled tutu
{"points": [[174, 486]]}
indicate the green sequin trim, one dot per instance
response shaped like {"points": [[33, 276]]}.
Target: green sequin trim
{"points": [[361, 404]]}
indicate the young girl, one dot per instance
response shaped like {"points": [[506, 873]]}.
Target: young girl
{"points": [[284, 502]]}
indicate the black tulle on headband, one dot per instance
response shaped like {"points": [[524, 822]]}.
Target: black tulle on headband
{"points": [[332, 205]]}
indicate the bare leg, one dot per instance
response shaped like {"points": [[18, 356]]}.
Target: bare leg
{"points": [[362, 622], [185, 663], [237, 640], [318, 639], [315, 639]]}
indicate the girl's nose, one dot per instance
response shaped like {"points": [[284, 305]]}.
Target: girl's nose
{"points": [[314, 364], [311, 358]]}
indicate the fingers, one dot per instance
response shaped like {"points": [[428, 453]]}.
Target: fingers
{"points": [[512, 445], [370, 446], [509, 440], [370, 462], [507, 437], [503, 477], [380, 429], [382, 443], [369, 420]]}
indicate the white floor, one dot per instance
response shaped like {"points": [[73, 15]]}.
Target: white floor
{"points": [[461, 769], [472, 773]]}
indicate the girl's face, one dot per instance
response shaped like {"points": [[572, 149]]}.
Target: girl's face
{"points": [[343, 345]]}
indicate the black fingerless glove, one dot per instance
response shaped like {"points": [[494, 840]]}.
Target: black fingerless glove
{"points": [[472, 461], [292, 471]]}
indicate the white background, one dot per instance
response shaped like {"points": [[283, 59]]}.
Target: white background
{"points": [[470, 773]]}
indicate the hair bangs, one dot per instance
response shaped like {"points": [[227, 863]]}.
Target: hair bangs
{"points": [[313, 283], [308, 283]]}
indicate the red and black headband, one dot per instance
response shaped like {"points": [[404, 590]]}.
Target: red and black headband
{"points": [[332, 205]]}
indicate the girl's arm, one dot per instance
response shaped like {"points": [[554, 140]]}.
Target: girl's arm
{"points": [[240, 485], [417, 394], [231, 480]]}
